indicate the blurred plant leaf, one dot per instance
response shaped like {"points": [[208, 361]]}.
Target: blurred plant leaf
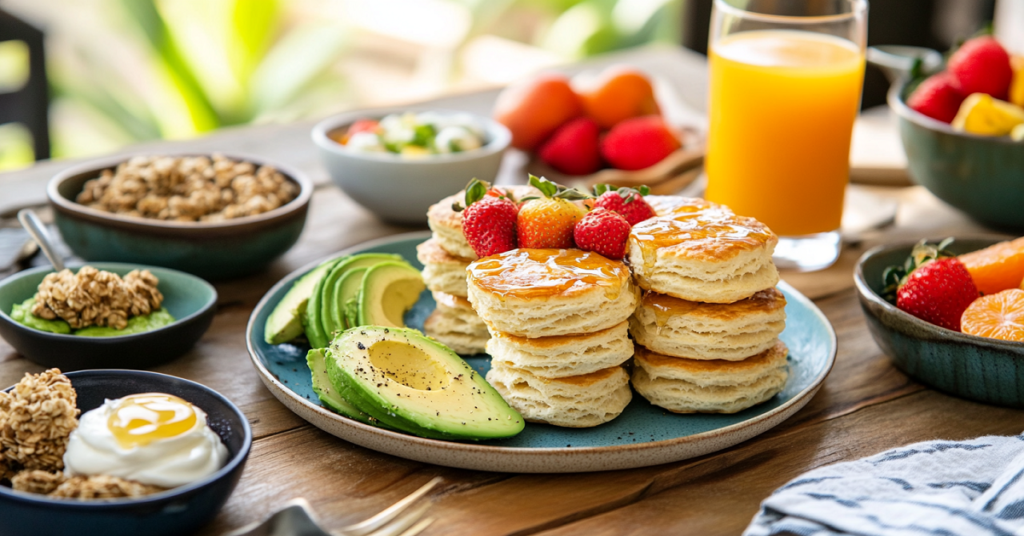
{"points": [[293, 63]]}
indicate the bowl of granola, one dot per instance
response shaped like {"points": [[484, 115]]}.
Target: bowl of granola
{"points": [[67, 466], [104, 315], [216, 216]]}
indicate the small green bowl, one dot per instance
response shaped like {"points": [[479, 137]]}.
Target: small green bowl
{"points": [[217, 250], [980, 175], [977, 368], [189, 299]]}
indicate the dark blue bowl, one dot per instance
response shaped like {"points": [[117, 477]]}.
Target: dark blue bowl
{"points": [[977, 368], [188, 298], [182, 510]]}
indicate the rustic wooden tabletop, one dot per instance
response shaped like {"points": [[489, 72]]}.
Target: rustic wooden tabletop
{"points": [[865, 405]]}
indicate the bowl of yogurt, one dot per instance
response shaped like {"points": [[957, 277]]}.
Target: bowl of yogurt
{"points": [[398, 162], [133, 452]]}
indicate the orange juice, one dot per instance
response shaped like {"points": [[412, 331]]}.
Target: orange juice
{"points": [[782, 106]]}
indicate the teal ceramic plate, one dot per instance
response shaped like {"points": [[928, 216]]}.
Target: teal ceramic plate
{"points": [[643, 435]]}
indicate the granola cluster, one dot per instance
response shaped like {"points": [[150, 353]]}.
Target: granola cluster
{"points": [[36, 419], [97, 298], [190, 188]]}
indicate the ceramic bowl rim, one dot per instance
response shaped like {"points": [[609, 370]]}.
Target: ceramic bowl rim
{"points": [[110, 162], [501, 137], [897, 105], [115, 504], [212, 302], [802, 397], [867, 293]]}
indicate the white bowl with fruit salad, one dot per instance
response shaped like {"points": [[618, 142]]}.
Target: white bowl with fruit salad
{"points": [[397, 162]]}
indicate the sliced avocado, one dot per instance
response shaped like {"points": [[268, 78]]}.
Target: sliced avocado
{"points": [[418, 385], [388, 290], [346, 293], [325, 391], [352, 311], [284, 322], [320, 325]]}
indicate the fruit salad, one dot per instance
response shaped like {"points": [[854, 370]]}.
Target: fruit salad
{"points": [[980, 92], [978, 293], [413, 135], [582, 125]]}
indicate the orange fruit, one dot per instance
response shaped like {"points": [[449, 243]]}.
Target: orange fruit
{"points": [[997, 267], [619, 93], [534, 108], [997, 316]]}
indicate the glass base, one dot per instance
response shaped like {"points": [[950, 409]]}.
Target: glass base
{"points": [[807, 253]]}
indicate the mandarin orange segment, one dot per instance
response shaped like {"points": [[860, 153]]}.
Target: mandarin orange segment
{"points": [[997, 316], [997, 267]]}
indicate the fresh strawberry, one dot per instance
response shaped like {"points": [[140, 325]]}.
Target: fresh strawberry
{"points": [[938, 97], [573, 148], [932, 285], [547, 222], [638, 143], [488, 220], [625, 201], [603, 231], [363, 125], [981, 65]]}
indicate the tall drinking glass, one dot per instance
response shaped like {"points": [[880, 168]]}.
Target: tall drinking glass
{"points": [[786, 79]]}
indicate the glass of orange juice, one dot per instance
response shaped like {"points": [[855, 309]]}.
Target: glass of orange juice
{"points": [[786, 79]]}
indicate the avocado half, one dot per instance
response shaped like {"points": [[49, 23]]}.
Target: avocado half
{"points": [[330, 398], [416, 384]]}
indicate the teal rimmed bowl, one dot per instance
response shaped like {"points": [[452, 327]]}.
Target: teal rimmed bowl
{"points": [[188, 298], [981, 175], [212, 250], [977, 368]]}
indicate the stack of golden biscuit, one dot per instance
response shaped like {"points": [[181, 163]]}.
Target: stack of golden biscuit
{"points": [[709, 320], [558, 321], [445, 258]]}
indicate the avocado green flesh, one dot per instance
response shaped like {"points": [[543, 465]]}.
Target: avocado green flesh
{"points": [[417, 385], [330, 398], [319, 324], [22, 313], [388, 291], [285, 321], [346, 293], [136, 324]]}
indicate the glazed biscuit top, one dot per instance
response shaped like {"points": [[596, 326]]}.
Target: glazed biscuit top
{"points": [[711, 235], [538, 274], [671, 205], [771, 358], [442, 213], [664, 306]]}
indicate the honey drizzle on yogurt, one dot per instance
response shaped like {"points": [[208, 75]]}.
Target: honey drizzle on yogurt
{"points": [[541, 273], [139, 420], [713, 232]]}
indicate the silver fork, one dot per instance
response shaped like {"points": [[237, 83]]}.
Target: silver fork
{"points": [[297, 518]]}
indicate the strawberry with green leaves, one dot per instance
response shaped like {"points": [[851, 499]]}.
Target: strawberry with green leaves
{"points": [[932, 285], [628, 202], [488, 219], [548, 221]]}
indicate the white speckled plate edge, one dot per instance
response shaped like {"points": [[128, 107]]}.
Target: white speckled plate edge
{"points": [[532, 460]]}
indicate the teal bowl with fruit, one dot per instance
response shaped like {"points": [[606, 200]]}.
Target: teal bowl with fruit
{"points": [[962, 138], [397, 162], [185, 313], [977, 368]]}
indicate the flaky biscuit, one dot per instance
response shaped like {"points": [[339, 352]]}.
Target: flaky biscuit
{"points": [[442, 271], [564, 355], [549, 292], [573, 402], [695, 330], [453, 331], [709, 256]]}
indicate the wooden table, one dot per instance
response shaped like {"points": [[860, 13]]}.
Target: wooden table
{"points": [[865, 405]]}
